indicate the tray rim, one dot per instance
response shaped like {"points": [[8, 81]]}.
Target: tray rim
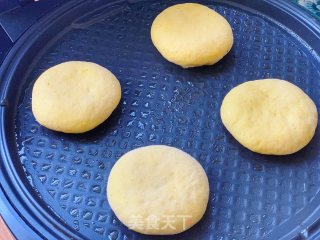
{"points": [[12, 200], [12, 212]]}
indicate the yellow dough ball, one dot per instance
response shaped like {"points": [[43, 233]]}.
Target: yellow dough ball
{"points": [[158, 190], [270, 116], [75, 97], [191, 35]]}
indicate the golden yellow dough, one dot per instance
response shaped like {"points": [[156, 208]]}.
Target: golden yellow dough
{"points": [[75, 97], [158, 183], [191, 35], [270, 116]]}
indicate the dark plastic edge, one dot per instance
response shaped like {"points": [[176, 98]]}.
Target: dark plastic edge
{"points": [[49, 230], [5, 43], [13, 219], [16, 16], [17, 20], [8, 4], [36, 219]]}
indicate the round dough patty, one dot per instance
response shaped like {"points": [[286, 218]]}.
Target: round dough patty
{"points": [[158, 183], [191, 35], [75, 97], [270, 116]]}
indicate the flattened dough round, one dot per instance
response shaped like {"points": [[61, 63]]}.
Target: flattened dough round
{"points": [[158, 182], [75, 97], [191, 35], [270, 116]]}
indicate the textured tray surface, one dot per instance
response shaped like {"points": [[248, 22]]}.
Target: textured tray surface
{"points": [[251, 195]]}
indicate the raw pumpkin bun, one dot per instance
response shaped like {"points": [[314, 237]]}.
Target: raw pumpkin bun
{"points": [[75, 97], [158, 190], [270, 116], [191, 35]]}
